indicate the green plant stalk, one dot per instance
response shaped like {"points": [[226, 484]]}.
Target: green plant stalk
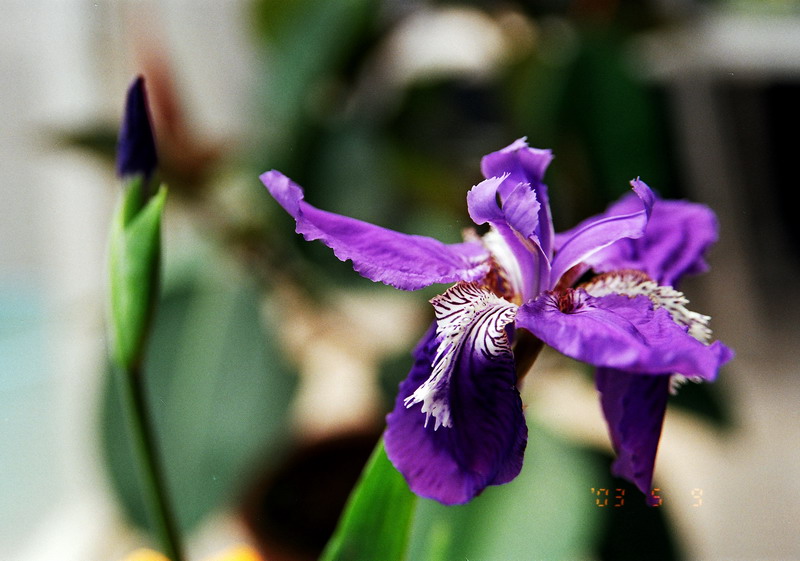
{"points": [[151, 473], [134, 263]]}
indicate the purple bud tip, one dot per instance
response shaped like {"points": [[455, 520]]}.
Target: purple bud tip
{"points": [[136, 149]]}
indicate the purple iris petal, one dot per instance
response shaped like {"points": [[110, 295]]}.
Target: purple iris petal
{"points": [[677, 237], [404, 261], [519, 208], [136, 148], [516, 218], [674, 243], [600, 232], [634, 407], [484, 444], [482, 201], [523, 164], [616, 331]]}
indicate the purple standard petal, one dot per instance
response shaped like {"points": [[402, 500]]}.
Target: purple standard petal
{"points": [[634, 407], [516, 218], [617, 331], [519, 208], [674, 244], [482, 438], [404, 261], [523, 164], [600, 232], [136, 148]]}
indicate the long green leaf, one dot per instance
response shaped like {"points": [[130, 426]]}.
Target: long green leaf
{"points": [[376, 523]]}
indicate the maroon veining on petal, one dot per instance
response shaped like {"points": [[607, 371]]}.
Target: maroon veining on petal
{"points": [[570, 301]]}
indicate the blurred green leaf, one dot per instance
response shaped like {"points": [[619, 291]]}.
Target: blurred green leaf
{"points": [[99, 140], [353, 168], [219, 393], [134, 252], [617, 117], [307, 44], [377, 519], [545, 513]]}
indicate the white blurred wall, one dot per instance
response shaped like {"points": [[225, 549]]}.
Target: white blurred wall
{"points": [[66, 64]]}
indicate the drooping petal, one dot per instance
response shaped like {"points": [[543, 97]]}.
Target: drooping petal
{"points": [[524, 164], [404, 261], [634, 407], [678, 235], [634, 404], [516, 220], [617, 331], [602, 231], [464, 377]]}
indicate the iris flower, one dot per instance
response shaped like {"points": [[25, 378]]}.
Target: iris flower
{"points": [[602, 293]]}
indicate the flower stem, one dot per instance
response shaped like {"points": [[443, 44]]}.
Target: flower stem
{"points": [[151, 474]]}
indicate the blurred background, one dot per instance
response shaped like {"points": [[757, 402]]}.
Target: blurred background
{"points": [[272, 363]]}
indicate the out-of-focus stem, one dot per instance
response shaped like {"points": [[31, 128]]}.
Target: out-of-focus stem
{"points": [[151, 473]]}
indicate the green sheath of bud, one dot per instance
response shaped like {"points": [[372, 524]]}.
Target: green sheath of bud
{"points": [[134, 256]]}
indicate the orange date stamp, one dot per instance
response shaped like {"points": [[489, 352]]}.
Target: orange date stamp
{"points": [[615, 498]]}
